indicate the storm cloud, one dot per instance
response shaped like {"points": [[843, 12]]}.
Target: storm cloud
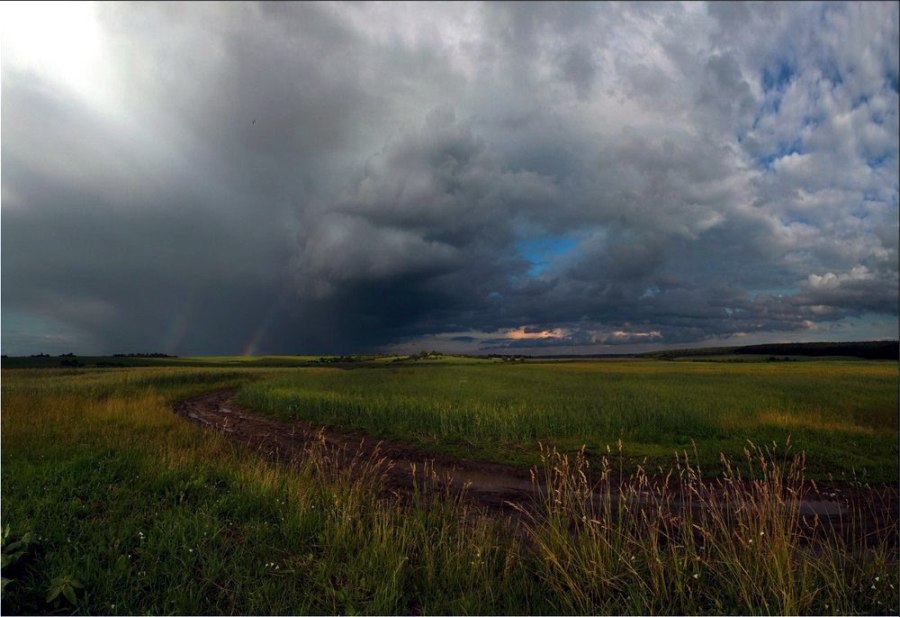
{"points": [[501, 177]]}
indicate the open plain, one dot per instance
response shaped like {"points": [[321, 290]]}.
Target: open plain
{"points": [[451, 484]]}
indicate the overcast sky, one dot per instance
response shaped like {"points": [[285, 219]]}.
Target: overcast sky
{"points": [[491, 178]]}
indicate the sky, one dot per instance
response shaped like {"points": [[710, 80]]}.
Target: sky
{"points": [[226, 178]]}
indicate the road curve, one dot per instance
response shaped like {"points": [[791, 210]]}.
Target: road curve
{"points": [[500, 488]]}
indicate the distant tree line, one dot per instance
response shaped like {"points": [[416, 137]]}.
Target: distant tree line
{"points": [[337, 360], [870, 350]]}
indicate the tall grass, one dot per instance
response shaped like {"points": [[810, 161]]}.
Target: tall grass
{"points": [[616, 544]]}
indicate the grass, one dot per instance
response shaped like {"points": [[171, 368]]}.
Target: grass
{"points": [[842, 413], [147, 513], [629, 544], [121, 507]]}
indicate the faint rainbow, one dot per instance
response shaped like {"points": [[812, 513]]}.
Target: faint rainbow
{"points": [[264, 324], [178, 327]]}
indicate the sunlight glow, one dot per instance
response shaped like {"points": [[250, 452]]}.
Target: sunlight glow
{"points": [[521, 333], [57, 40]]}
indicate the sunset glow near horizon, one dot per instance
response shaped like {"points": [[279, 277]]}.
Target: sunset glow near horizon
{"points": [[474, 178]]}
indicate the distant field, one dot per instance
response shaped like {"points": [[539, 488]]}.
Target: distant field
{"points": [[843, 413]]}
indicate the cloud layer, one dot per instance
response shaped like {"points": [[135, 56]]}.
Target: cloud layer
{"points": [[219, 178]]}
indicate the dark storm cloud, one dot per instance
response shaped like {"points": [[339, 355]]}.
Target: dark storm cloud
{"points": [[338, 177]]}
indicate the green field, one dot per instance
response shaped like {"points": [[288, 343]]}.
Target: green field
{"points": [[112, 504], [842, 413]]}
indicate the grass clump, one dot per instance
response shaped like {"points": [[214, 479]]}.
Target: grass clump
{"points": [[615, 544]]}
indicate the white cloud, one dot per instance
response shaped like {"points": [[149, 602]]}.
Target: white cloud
{"points": [[830, 280]]}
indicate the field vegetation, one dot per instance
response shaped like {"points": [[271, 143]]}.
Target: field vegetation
{"points": [[112, 504], [842, 413]]}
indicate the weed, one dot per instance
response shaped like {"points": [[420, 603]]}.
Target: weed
{"points": [[12, 551]]}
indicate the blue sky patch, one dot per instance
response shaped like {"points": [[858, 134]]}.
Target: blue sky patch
{"points": [[778, 78], [541, 250]]}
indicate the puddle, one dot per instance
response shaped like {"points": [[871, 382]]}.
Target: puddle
{"points": [[818, 507], [487, 482]]}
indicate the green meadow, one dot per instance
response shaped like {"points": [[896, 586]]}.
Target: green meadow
{"points": [[112, 504], [842, 413]]}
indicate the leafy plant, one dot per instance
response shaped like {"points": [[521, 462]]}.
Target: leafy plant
{"points": [[12, 551], [64, 586]]}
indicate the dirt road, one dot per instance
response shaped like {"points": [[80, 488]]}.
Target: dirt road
{"points": [[494, 486], [487, 484]]}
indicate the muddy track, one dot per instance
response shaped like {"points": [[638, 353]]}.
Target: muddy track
{"points": [[497, 487], [494, 486]]}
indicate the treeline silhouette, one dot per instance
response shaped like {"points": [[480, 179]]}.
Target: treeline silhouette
{"points": [[870, 350]]}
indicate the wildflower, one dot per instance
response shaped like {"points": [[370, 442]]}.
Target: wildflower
{"points": [[877, 578], [751, 540], [696, 576], [762, 533], [190, 550]]}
